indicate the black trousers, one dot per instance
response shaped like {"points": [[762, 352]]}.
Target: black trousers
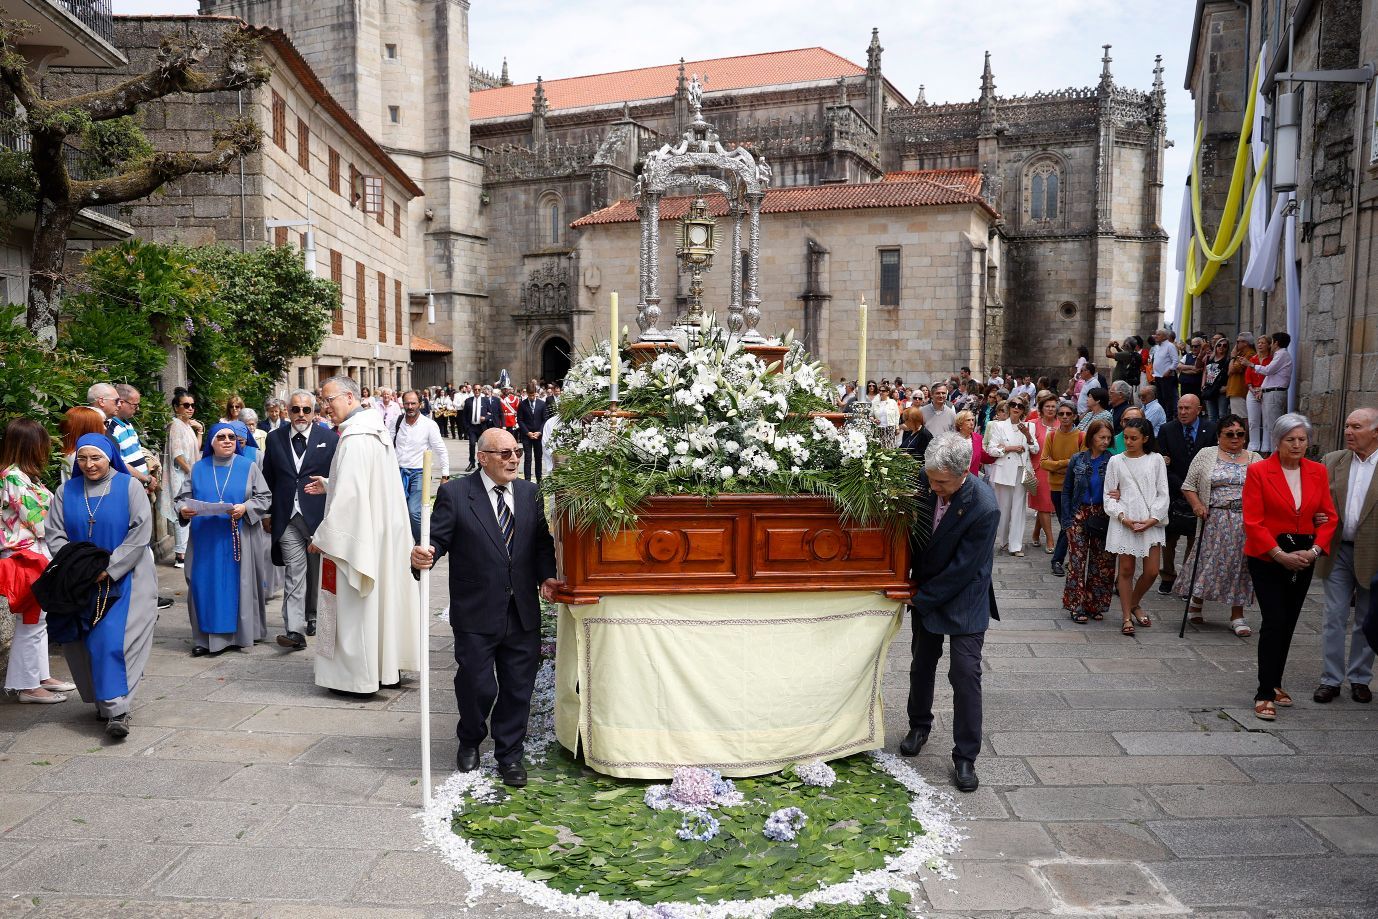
{"points": [[443, 422], [473, 431], [1279, 604], [496, 676], [532, 457], [963, 672]]}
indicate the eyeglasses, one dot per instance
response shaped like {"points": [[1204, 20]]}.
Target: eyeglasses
{"points": [[1231, 433], [186, 405], [506, 454], [227, 437], [329, 399], [301, 410], [1066, 414], [132, 403]]}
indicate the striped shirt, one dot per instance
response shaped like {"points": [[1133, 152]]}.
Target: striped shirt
{"points": [[128, 441]]}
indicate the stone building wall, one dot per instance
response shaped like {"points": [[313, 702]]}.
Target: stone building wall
{"points": [[934, 330], [1337, 358], [411, 55], [204, 210]]}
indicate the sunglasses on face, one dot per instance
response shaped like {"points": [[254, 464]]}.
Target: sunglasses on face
{"points": [[186, 405], [225, 437], [301, 410], [1231, 433], [506, 454]]}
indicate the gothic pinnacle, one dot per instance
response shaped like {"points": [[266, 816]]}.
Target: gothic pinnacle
{"points": [[539, 104], [505, 80], [987, 80], [922, 98], [873, 53], [1106, 78]]}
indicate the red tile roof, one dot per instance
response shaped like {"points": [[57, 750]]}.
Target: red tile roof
{"points": [[903, 189], [803, 65], [427, 346]]}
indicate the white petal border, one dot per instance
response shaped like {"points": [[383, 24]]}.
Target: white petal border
{"points": [[932, 808]]}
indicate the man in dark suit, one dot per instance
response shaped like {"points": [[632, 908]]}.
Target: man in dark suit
{"points": [[953, 546], [531, 417], [482, 410], [494, 526], [1179, 441], [295, 453]]}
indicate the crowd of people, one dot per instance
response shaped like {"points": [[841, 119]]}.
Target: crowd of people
{"points": [[1183, 471], [1189, 450], [258, 507]]}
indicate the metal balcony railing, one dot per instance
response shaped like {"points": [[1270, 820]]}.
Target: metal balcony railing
{"points": [[72, 154], [96, 15]]}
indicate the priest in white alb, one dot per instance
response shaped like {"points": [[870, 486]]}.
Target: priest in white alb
{"points": [[369, 610]]}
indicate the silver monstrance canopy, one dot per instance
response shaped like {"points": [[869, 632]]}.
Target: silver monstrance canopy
{"points": [[700, 164]]}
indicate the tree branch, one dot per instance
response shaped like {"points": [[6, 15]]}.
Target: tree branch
{"points": [[175, 70], [240, 138], [14, 69]]}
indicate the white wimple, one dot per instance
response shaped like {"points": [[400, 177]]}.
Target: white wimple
{"points": [[932, 808]]}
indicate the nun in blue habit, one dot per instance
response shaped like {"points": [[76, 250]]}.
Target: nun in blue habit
{"points": [[104, 505], [227, 593]]}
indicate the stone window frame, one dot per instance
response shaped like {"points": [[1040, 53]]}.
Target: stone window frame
{"points": [[1045, 163], [390, 52], [553, 232], [889, 296], [394, 114]]}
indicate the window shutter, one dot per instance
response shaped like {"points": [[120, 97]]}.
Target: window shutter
{"points": [[304, 145], [354, 193], [279, 236], [360, 302], [397, 310], [337, 275], [396, 219], [334, 170], [279, 121], [382, 307]]}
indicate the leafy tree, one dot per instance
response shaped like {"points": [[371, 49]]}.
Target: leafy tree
{"points": [[101, 122], [36, 383]]}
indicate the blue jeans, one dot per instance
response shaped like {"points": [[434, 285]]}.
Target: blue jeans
{"points": [[1059, 550], [411, 487]]}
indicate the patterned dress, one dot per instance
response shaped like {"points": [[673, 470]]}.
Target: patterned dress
{"points": [[23, 510], [1222, 576]]}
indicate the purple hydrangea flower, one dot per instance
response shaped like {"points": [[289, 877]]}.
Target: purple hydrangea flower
{"points": [[784, 825], [698, 826], [817, 773]]}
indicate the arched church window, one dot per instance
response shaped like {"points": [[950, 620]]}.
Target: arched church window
{"points": [[1042, 192], [549, 210], [554, 224]]}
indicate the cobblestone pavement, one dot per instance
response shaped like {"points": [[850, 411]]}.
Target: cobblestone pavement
{"points": [[1120, 776]]}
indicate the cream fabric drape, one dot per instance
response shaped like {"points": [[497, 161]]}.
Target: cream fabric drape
{"points": [[746, 683]]}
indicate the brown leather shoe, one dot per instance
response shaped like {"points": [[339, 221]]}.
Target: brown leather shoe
{"points": [[1360, 693], [1325, 693]]}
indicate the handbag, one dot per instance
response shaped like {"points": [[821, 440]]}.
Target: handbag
{"points": [[1030, 482], [1097, 525], [1181, 520]]}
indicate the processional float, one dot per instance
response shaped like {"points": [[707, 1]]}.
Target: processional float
{"points": [[742, 633]]}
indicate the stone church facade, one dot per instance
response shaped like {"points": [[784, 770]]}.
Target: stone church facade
{"points": [[1069, 188]]}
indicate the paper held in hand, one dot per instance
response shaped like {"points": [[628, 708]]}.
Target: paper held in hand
{"points": [[208, 508]]}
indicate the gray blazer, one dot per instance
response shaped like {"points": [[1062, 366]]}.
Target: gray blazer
{"points": [[955, 594]]}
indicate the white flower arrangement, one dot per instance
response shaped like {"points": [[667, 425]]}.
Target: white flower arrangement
{"points": [[714, 419]]}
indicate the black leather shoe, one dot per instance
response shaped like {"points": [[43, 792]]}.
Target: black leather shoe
{"points": [[913, 742], [200, 652], [292, 641], [965, 775], [513, 774], [467, 759], [1360, 693], [311, 628], [1325, 693], [164, 603]]}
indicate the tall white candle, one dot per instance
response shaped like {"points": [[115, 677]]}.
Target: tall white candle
{"points": [[861, 351], [613, 345]]}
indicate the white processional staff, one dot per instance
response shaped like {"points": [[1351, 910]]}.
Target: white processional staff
{"points": [[424, 638]]}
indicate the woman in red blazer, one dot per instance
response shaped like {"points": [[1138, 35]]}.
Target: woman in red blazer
{"points": [[1289, 520]]}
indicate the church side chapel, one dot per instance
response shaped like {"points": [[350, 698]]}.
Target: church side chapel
{"points": [[980, 231]]}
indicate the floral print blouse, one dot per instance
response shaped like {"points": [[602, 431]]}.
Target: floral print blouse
{"points": [[23, 510]]}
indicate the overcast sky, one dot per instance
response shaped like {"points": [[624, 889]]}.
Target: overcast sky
{"points": [[1047, 45]]}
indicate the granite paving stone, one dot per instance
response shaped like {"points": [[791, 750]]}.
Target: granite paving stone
{"points": [[1081, 803], [1006, 841], [1365, 795], [1331, 881], [98, 867], [1029, 743], [1306, 768], [332, 826], [15, 807], [82, 737], [411, 878], [1365, 742], [210, 716], [1251, 801], [127, 908], [1127, 841], [240, 872], [145, 776], [235, 746], [1232, 838], [1105, 886], [172, 822], [980, 886], [1351, 835], [1121, 770], [1202, 743], [298, 784]]}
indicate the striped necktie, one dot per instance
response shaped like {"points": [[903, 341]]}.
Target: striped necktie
{"points": [[504, 516]]}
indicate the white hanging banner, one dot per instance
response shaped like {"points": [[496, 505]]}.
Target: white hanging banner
{"points": [[1257, 148], [1293, 281], [1261, 271], [1186, 238]]}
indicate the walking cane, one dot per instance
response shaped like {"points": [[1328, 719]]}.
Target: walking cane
{"points": [[424, 638], [1196, 563]]}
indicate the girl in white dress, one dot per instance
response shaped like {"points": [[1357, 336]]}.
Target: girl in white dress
{"points": [[1136, 501]]}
